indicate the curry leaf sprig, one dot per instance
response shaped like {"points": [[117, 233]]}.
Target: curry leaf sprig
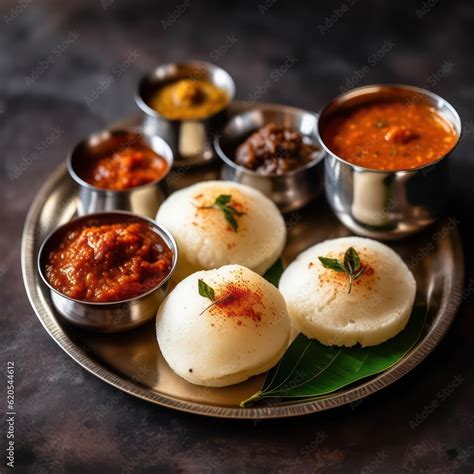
{"points": [[222, 203], [205, 290], [208, 292], [350, 265]]}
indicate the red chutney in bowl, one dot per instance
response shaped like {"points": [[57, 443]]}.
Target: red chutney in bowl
{"points": [[108, 262], [390, 135], [127, 167]]}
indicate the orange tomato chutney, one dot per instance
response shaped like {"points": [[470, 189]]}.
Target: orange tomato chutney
{"points": [[125, 168], [390, 135], [108, 261]]}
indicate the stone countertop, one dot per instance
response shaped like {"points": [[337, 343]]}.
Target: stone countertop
{"points": [[69, 68]]}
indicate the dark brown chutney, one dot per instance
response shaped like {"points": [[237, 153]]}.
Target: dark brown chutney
{"points": [[275, 149]]}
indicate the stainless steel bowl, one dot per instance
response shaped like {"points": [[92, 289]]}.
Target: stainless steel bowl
{"points": [[289, 191], [143, 200], [385, 204], [190, 140], [115, 316]]}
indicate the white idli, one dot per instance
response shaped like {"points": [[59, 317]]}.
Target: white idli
{"points": [[244, 333], [377, 308], [205, 237]]}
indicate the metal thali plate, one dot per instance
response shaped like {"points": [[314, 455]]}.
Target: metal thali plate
{"points": [[132, 361]]}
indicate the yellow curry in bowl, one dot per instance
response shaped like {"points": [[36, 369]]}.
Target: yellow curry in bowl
{"points": [[189, 99]]}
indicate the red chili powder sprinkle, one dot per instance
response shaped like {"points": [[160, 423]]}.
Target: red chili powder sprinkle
{"points": [[369, 270], [239, 302]]}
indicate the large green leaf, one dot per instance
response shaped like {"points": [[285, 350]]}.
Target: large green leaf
{"points": [[310, 369]]}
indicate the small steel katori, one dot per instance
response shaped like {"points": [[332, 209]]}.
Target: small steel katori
{"points": [[386, 204]]}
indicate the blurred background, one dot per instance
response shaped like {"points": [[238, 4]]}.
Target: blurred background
{"points": [[70, 68]]}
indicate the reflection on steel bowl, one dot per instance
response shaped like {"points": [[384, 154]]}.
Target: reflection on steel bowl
{"points": [[121, 170], [186, 104], [385, 165], [108, 271], [269, 158]]}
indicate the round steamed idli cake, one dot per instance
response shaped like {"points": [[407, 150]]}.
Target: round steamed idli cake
{"points": [[320, 306], [207, 240], [244, 333]]}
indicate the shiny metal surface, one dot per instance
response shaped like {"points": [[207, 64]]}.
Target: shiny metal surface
{"points": [[132, 361], [290, 191], [190, 140], [392, 204], [142, 200], [107, 317]]}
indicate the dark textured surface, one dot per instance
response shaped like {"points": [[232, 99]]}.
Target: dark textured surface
{"points": [[69, 421]]}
